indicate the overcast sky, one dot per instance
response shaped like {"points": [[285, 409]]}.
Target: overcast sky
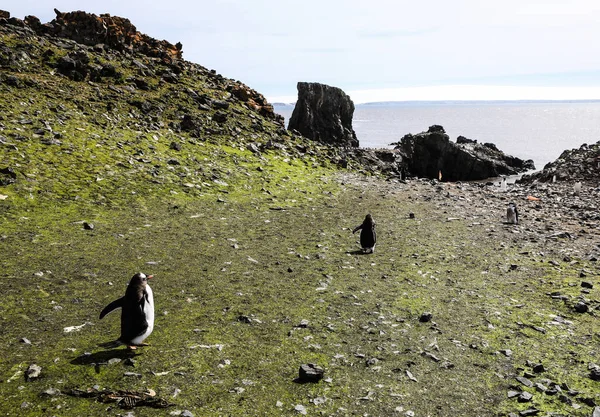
{"points": [[376, 50]]}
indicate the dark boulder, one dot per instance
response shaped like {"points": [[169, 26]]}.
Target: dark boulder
{"points": [[324, 114], [431, 153]]}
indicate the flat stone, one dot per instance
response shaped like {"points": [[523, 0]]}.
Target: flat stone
{"points": [[524, 381], [525, 397], [513, 394], [529, 412]]}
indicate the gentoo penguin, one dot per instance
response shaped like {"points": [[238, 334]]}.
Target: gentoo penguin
{"points": [[368, 237], [512, 214], [137, 314]]}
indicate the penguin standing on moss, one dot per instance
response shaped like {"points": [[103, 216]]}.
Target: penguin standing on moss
{"points": [[137, 311], [512, 214], [368, 236]]}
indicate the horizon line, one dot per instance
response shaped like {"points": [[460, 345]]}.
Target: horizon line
{"points": [[457, 93]]}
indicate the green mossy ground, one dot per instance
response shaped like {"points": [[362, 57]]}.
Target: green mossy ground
{"points": [[220, 256]]}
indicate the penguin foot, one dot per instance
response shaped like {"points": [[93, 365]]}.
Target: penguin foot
{"points": [[131, 347]]}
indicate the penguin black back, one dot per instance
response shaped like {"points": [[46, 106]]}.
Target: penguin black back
{"points": [[137, 315], [368, 236]]}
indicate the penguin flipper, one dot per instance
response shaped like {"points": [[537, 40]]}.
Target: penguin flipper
{"points": [[112, 306]]}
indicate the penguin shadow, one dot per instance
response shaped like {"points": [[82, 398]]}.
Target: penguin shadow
{"points": [[358, 252], [101, 358]]}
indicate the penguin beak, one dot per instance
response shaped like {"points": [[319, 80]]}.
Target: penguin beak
{"points": [[150, 276]]}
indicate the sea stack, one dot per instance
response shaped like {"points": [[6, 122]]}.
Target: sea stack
{"points": [[324, 114]]}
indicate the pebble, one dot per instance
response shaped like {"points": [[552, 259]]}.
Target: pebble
{"points": [[300, 409], [33, 371]]}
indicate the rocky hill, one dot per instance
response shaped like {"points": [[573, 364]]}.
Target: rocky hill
{"points": [[92, 109]]}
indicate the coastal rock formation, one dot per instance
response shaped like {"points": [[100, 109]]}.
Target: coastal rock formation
{"points": [[581, 164], [116, 32], [430, 153], [324, 114]]}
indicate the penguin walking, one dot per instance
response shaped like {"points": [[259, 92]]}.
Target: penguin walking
{"points": [[137, 311], [512, 214], [368, 237]]}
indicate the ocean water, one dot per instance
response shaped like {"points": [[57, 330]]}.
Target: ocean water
{"points": [[527, 130]]}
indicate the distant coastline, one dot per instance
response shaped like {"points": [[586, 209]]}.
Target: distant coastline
{"points": [[452, 102]]}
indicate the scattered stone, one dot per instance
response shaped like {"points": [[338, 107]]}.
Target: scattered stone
{"points": [[411, 376], [506, 352], [524, 381], [586, 284], [595, 373], [525, 397], [425, 317], [538, 368], [25, 341], [303, 324], [529, 412], [581, 307], [300, 409], [431, 356], [129, 362], [513, 394], [310, 373], [411, 215], [244, 319], [33, 371], [596, 412], [132, 374], [50, 392]]}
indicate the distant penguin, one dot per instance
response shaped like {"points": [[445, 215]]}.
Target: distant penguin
{"points": [[137, 315], [577, 187], [512, 214], [368, 237]]}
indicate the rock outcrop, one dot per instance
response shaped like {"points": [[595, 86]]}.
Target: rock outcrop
{"points": [[324, 114], [581, 164], [89, 29], [430, 153]]}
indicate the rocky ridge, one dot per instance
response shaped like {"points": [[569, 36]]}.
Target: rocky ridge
{"points": [[572, 165], [431, 154]]}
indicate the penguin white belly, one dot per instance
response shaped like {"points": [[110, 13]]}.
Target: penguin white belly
{"points": [[149, 311]]}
